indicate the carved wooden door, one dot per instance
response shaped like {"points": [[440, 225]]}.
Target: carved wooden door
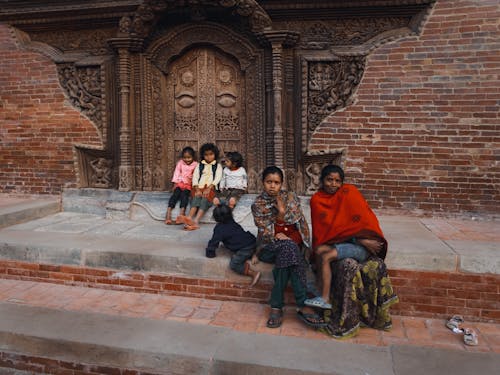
{"points": [[204, 103]]}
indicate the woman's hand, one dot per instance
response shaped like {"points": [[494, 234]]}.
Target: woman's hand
{"points": [[254, 260], [281, 236], [373, 246]]}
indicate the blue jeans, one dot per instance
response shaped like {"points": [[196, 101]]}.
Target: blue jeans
{"points": [[351, 250]]}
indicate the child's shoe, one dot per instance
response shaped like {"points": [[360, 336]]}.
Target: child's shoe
{"points": [[317, 302]]}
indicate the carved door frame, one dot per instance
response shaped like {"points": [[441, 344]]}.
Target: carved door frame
{"points": [[155, 64]]}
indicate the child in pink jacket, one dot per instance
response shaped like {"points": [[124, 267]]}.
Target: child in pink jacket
{"points": [[182, 179]]}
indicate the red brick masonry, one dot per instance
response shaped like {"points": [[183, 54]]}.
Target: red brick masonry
{"points": [[424, 294]]}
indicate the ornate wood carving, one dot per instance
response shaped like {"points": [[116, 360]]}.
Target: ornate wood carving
{"points": [[101, 173], [204, 95], [93, 42], [313, 164], [321, 35], [150, 10], [84, 88], [204, 100], [330, 86], [148, 115]]}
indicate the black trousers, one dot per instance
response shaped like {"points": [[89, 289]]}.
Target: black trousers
{"points": [[179, 194]]}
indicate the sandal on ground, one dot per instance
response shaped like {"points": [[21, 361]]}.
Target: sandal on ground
{"points": [[470, 337], [275, 318], [191, 227], [255, 279], [454, 323], [317, 302], [311, 319], [168, 221], [181, 219]]}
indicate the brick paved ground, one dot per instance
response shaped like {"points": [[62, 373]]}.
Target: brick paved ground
{"points": [[246, 317]]}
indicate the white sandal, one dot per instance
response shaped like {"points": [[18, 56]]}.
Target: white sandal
{"points": [[470, 337], [317, 302], [454, 323]]}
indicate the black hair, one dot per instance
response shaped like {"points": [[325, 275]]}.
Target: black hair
{"points": [[188, 150], [235, 158], [272, 170], [222, 213], [209, 147], [332, 168]]}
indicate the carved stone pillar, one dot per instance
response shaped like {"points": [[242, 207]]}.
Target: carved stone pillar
{"points": [[124, 47]]}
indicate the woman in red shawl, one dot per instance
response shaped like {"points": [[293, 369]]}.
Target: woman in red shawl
{"points": [[347, 236]]}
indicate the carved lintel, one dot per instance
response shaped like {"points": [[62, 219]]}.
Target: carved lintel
{"points": [[150, 12]]}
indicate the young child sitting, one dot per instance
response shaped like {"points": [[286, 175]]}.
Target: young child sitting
{"points": [[206, 179], [234, 180], [182, 179], [242, 243]]}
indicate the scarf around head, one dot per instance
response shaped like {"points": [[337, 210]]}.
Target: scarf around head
{"points": [[265, 212], [341, 216]]}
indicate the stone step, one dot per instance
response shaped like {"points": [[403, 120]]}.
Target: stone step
{"points": [[120, 246], [67, 239], [141, 206], [14, 211], [59, 329]]}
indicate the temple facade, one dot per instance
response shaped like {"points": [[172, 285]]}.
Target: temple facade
{"points": [[402, 93]]}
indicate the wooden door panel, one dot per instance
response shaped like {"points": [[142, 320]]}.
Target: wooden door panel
{"points": [[204, 101]]}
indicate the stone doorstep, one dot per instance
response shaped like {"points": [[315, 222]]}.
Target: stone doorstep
{"points": [[96, 340]]}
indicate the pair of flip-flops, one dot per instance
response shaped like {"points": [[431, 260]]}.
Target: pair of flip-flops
{"points": [[455, 324], [311, 319]]}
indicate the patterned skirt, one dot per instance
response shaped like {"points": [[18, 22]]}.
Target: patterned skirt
{"points": [[361, 295]]}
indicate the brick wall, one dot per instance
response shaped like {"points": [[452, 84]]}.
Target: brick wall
{"points": [[426, 294], [424, 133], [423, 136], [38, 126]]}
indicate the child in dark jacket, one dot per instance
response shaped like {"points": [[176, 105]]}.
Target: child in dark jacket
{"points": [[242, 243]]}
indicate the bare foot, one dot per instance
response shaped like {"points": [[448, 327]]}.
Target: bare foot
{"points": [[255, 279]]}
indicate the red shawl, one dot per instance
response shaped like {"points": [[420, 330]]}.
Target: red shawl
{"points": [[341, 216]]}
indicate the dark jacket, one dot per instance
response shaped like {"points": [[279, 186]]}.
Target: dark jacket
{"points": [[232, 235]]}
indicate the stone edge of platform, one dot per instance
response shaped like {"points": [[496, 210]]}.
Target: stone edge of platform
{"points": [[28, 210]]}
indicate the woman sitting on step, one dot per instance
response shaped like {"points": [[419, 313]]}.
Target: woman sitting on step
{"points": [[283, 239], [349, 249]]}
